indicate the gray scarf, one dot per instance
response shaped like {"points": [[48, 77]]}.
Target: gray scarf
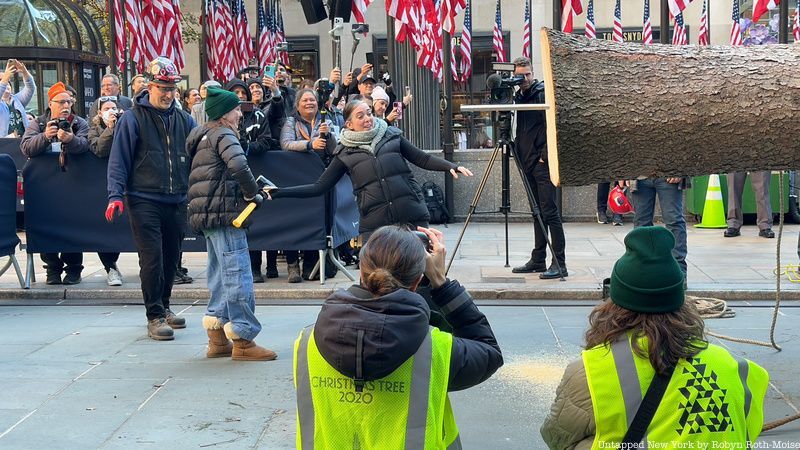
{"points": [[365, 139]]}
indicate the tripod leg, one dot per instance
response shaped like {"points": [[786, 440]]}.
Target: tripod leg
{"points": [[535, 211], [473, 206]]}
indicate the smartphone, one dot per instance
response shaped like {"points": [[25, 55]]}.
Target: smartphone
{"points": [[247, 107], [371, 58], [269, 71], [426, 242], [398, 106]]}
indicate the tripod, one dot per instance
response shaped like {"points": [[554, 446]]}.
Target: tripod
{"points": [[501, 117]]}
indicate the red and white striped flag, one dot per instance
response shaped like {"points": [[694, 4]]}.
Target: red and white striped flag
{"points": [[360, 9], [450, 9], [762, 6], [679, 34], [497, 35], [151, 31], [569, 9], [466, 44], [244, 48], [617, 33], [212, 68], [702, 38], [796, 23], [453, 69], [133, 12], [177, 37], [120, 37], [647, 28], [677, 6], [736, 30], [263, 42], [590, 31], [281, 33], [526, 31]]}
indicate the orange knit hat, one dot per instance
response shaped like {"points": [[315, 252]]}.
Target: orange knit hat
{"points": [[56, 89]]}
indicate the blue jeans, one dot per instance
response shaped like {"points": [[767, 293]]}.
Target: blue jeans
{"points": [[670, 198], [231, 281]]}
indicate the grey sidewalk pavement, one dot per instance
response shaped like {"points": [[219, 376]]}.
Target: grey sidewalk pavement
{"points": [[728, 268]]}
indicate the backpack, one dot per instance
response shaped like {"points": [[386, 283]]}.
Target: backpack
{"points": [[434, 200]]}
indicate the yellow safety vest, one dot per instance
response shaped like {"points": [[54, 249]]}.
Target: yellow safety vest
{"points": [[408, 409], [714, 397]]}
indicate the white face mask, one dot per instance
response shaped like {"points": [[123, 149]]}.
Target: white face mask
{"points": [[108, 113]]}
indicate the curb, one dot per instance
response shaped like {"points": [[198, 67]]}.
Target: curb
{"points": [[478, 293]]}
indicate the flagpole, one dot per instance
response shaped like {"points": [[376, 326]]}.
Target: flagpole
{"points": [[783, 22], [201, 48], [708, 20], [447, 126], [530, 28], [112, 29], [664, 25], [557, 9]]}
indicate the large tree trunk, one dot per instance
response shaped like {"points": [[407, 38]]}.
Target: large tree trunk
{"points": [[628, 110]]}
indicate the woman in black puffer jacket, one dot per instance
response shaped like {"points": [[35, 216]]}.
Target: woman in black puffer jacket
{"points": [[376, 157], [220, 185]]}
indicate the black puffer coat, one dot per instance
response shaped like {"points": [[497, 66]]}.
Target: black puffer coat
{"points": [[220, 180], [385, 188]]}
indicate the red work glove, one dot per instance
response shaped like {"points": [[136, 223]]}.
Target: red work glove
{"points": [[113, 206]]}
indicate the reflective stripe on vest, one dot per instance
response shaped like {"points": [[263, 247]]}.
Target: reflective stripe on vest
{"points": [[428, 408], [712, 397]]}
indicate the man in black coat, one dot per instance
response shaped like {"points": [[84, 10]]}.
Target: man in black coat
{"points": [[531, 151]]}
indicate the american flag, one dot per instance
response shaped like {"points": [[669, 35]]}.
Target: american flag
{"points": [[245, 40], [271, 35], [590, 31], [796, 23], [263, 43], [120, 38], [526, 31], [150, 32], [762, 6], [702, 39], [450, 9], [231, 65], [569, 9], [647, 29], [360, 9], [466, 44], [212, 68], [435, 30], [177, 36], [280, 33], [617, 34], [453, 69], [497, 35], [676, 6], [679, 34], [239, 54], [133, 12], [736, 30], [223, 48]]}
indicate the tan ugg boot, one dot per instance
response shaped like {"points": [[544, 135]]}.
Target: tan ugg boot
{"points": [[244, 350], [218, 344]]}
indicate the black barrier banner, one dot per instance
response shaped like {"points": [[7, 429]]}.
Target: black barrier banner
{"points": [[8, 197], [10, 146], [64, 211]]}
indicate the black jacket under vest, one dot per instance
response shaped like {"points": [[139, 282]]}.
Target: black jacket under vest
{"points": [[386, 191]]}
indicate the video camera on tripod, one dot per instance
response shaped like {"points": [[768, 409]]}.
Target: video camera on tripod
{"points": [[501, 84]]}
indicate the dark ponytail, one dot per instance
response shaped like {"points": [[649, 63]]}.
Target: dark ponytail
{"points": [[392, 259]]}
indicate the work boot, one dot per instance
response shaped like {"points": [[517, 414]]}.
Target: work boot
{"points": [[219, 346], [158, 330], [244, 350], [182, 278], [257, 276], [53, 278], [530, 267], [294, 273], [272, 272], [173, 320], [72, 278]]}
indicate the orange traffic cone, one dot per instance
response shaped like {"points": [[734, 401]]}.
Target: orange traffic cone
{"points": [[713, 209]]}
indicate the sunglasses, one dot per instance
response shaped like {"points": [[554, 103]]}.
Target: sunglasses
{"points": [[108, 98]]}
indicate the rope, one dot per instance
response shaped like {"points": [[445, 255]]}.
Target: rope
{"points": [[712, 307]]}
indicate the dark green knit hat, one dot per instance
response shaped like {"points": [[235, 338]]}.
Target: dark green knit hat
{"points": [[219, 102], [647, 278]]}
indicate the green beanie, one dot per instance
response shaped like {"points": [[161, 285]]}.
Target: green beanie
{"points": [[647, 278], [220, 102]]}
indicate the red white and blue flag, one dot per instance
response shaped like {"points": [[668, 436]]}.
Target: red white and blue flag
{"points": [[497, 35], [736, 29], [450, 9], [526, 31], [466, 44], [762, 6], [617, 33], [360, 9], [569, 9], [647, 28], [679, 33], [590, 30], [702, 37], [796, 23], [280, 33], [677, 6]]}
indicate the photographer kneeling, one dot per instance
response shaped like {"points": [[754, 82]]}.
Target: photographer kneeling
{"points": [[64, 133], [389, 371]]}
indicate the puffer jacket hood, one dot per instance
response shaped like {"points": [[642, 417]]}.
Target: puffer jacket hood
{"points": [[393, 327], [238, 83]]}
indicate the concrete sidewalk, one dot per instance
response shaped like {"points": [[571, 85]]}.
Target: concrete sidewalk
{"points": [[728, 268]]}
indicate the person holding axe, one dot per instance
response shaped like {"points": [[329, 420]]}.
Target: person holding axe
{"points": [[219, 182]]}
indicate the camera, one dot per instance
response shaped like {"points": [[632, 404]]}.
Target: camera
{"points": [[324, 89], [62, 124], [502, 83], [282, 47], [360, 28], [426, 242]]}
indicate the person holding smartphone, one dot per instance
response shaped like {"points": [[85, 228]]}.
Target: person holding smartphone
{"points": [[13, 119]]}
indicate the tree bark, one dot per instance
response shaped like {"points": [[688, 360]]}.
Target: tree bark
{"points": [[628, 110]]}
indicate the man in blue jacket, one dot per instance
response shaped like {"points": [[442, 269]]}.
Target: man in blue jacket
{"points": [[149, 169]]}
